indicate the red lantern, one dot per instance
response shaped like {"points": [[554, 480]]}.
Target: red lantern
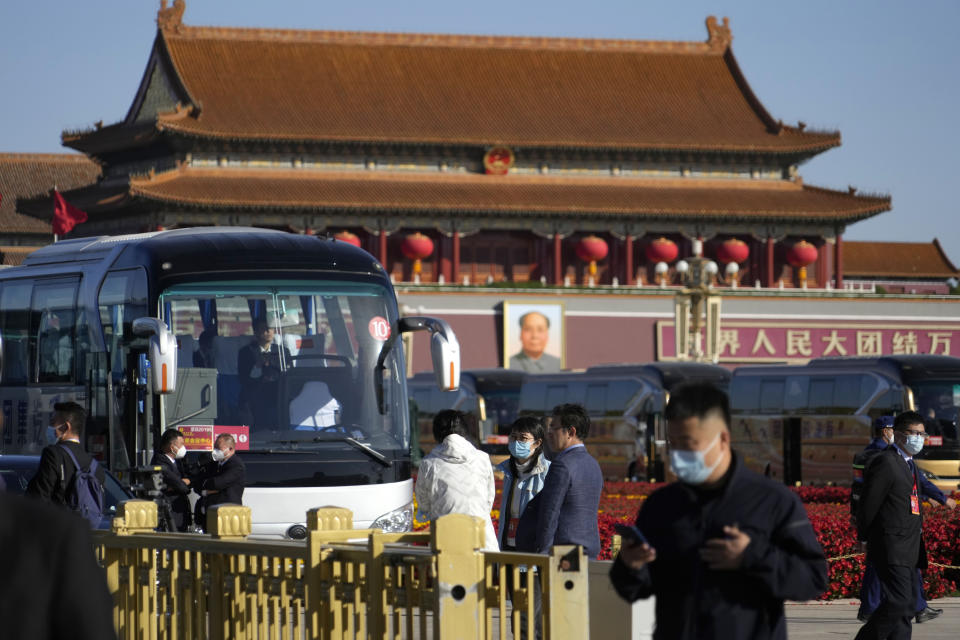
{"points": [[662, 250], [591, 249], [349, 238], [733, 250], [800, 255], [416, 247]]}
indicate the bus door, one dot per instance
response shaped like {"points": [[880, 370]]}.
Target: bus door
{"points": [[792, 450]]}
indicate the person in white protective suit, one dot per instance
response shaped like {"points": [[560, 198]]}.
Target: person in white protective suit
{"points": [[456, 477]]}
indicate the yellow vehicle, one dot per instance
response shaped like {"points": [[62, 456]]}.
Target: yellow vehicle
{"points": [[804, 424]]}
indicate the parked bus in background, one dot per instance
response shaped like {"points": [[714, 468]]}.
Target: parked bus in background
{"points": [[625, 404], [289, 341], [491, 395], [804, 424]]}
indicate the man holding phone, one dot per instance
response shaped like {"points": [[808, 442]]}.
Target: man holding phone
{"points": [[724, 547]]}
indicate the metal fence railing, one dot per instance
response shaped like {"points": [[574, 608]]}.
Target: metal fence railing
{"points": [[342, 583]]}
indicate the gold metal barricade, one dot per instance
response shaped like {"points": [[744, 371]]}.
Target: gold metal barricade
{"points": [[342, 584]]}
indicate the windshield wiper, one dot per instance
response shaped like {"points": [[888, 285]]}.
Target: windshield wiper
{"points": [[353, 442]]}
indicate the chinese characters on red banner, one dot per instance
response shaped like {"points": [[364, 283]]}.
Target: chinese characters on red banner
{"points": [[771, 341]]}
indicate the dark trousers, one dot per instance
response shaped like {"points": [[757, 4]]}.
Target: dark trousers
{"points": [[521, 633], [871, 593], [894, 617]]}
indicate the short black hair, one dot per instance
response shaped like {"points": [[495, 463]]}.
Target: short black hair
{"points": [[906, 419], [573, 416], [529, 424], [449, 422], [73, 413], [228, 438], [697, 400], [542, 315], [168, 437]]}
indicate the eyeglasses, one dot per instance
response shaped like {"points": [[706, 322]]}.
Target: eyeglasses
{"points": [[521, 437], [917, 433]]}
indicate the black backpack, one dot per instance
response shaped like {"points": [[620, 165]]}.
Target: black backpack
{"points": [[85, 493]]}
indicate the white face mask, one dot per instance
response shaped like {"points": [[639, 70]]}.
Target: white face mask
{"points": [[691, 466], [217, 455], [181, 452]]}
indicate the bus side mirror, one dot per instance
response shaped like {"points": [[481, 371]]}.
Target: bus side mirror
{"points": [[444, 349], [162, 354]]}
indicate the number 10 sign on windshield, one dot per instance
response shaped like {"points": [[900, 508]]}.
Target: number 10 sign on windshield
{"points": [[379, 328]]}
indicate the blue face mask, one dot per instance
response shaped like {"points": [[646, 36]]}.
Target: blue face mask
{"points": [[914, 444], [519, 449], [691, 466], [52, 435]]}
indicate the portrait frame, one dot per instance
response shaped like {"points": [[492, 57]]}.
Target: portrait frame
{"points": [[556, 347]]}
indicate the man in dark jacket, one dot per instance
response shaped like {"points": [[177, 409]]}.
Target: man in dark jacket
{"points": [[568, 503], [890, 520], [871, 592], [724, 546], [54, 476], [176, 487], [223, 478], [259, 369]]}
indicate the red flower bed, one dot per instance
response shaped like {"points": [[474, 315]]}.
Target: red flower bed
{"points": [[829, 512]]}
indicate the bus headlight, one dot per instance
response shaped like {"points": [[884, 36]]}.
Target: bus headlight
{"points": [[396, 521]]}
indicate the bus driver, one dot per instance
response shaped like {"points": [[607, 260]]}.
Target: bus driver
{"points": [[259, 370]]}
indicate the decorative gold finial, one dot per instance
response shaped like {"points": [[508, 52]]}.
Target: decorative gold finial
{"points": [[171, 19], [719, 36]]}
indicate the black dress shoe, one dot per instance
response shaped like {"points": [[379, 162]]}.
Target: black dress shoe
{"points": [[928, 614]]}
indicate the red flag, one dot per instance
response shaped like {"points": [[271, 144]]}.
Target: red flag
{"points": [[65, 215]]}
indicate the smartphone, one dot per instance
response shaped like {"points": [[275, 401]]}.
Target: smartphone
{"points": [[630, 532]]}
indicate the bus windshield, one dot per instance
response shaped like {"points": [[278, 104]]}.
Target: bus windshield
{"points": [[294, 361], [938, 401]]}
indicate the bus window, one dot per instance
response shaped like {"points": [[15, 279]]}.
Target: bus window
{"points": [[821, 395], [556, 395], [887, 404], [795, 398], [745, 394], [846, 396], [15, 314], [771, 396], [53, 315], [123, 299], [596, 399]]}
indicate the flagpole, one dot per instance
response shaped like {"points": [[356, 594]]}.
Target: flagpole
{"points": [[55, 234]]}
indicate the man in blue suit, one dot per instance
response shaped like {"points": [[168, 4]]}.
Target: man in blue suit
{"points": [[570, 497]]}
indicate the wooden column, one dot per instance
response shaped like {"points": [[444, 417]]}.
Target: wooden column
{"points": [[557, 259], [383, 250], [456, 257], [770, 277], [628, 259], [822, 266], [838, 261], [444, 249]]}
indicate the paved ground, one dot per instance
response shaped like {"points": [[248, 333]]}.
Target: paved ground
{"points": [[838, 619]]}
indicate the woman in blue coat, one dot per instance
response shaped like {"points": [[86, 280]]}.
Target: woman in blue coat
{"points": [[523, 475]]}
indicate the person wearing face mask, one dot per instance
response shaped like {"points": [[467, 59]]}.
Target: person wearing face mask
{"points": [[889, 518], [176, 487], [524, 473], [222, 479], [724, 546], [57, 469], [871, 591]]}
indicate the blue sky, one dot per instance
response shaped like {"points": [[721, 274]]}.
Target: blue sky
{"points": [[885, 73]]}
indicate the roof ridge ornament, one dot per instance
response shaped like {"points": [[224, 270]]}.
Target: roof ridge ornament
{"points": [[171, 19], [719, 36]]}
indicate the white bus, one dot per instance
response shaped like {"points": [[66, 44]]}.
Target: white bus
{"points": [[147, 332]]}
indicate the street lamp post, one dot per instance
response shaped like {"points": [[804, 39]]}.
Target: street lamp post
{"points": [[697, 307]]}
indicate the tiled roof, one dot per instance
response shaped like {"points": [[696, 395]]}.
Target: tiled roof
{"points": [[12, 256], [897, 260], [219, 189], [26, 175], [259, 84]]}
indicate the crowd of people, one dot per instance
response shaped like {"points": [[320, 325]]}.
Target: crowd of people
{"points": [[721, 548]]}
